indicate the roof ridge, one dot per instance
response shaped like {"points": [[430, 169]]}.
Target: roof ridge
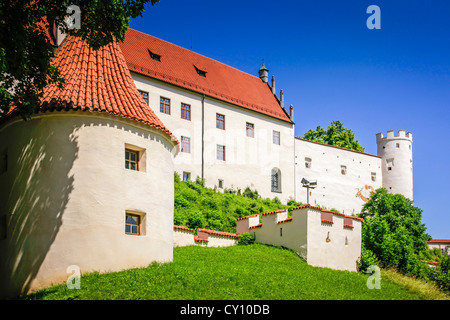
{"points": [[196, 53]]}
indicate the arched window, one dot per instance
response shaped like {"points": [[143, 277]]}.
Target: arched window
{"points": [[276, 180]]}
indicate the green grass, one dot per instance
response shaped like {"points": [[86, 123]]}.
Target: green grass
{"points": [[239, 272]]}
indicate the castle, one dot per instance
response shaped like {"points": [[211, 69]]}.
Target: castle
{"points": [[88, 181]]}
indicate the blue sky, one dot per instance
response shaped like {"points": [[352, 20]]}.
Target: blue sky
{"points": [[332, 67]]}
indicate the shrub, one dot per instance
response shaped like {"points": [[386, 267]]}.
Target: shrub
{"points": [[195, 220], [246, 239], [368, 258]]}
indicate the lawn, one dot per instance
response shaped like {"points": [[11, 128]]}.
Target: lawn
{"points": [[254, 272]]}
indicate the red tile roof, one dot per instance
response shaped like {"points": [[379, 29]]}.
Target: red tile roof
{"points": [[247, 217], [97, 81], [218, 233], [182, 228], [179, 66], [327, 211], [439, 241]]}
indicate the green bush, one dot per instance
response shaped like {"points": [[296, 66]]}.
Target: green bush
{"points": [[246, 239], [368, 258]]}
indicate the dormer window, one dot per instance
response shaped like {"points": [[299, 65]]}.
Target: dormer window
{"points": [[200, 72], [154, 56]]}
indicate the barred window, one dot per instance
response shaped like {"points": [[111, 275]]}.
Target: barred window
{"points": [[276, 180]]}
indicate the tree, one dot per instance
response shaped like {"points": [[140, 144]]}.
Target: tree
{"points": [[335, 135], [26, 49], [392, 230]]}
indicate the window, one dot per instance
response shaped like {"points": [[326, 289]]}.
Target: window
{"points": [[186, 144], [276, 137], [220, 121], [308, 163], [200, 72], [344, 170], [132, 224], [281, 232], [135, 158], [154, 56], [220, 152], [250, 129], [186, 176], [373, 176], [220, 184], [397, 145], [144, 96], [131, 159], [185, 111], [389, 164], [276, 180], [164, 105]]}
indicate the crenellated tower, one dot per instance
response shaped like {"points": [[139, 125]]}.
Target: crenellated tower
{"points": [[396, 167]]}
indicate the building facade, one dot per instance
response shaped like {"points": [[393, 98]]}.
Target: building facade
{"points": [[88, 181], [235, 132]]}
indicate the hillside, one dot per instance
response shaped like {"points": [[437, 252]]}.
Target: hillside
{"points": [[199, 207], [253, 272]]}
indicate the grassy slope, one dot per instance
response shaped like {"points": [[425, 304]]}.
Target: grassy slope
{"points": [[239, 272]]}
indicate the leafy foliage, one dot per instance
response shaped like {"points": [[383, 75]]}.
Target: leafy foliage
{"points": [[246, 239], [198, 206], [26, 50], [335, 135], [394, 236]]}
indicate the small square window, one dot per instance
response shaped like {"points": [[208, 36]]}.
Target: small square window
{"points": [[186, 144], [397, 145], [220, 121], [308, 163], [144, 96], [344, 170], [250, 130], [186, 176], [220, 184], [220, 152], [132, 224], [276, 137], [131, 159], [164, 105], [185, 111], [373, 176]]}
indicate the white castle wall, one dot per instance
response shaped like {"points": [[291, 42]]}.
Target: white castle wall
{"points": [[397, 164], [209, 238], [323, 238], [65, 194], [249, 161], [345, 192]]}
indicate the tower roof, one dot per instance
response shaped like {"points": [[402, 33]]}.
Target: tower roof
{"points": [[97, 81], [164, 61]]}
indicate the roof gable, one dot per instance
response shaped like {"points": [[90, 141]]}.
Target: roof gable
{"points": [[181, 67]]}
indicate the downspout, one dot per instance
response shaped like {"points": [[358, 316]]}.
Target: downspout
{"points": [[203, 137]]}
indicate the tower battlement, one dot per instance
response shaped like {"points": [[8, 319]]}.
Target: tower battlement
{"points": [[391, 136]]}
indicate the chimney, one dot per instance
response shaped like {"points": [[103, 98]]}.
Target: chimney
{"points": [[273, 85], [291, 113], [282, 99], [264, 73]]}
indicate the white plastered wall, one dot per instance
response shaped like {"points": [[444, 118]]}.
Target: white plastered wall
{"points": [[249, 161], [66, 192], [335, 190]]}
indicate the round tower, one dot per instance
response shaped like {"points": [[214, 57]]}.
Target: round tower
{"points": [[396, 162]]}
